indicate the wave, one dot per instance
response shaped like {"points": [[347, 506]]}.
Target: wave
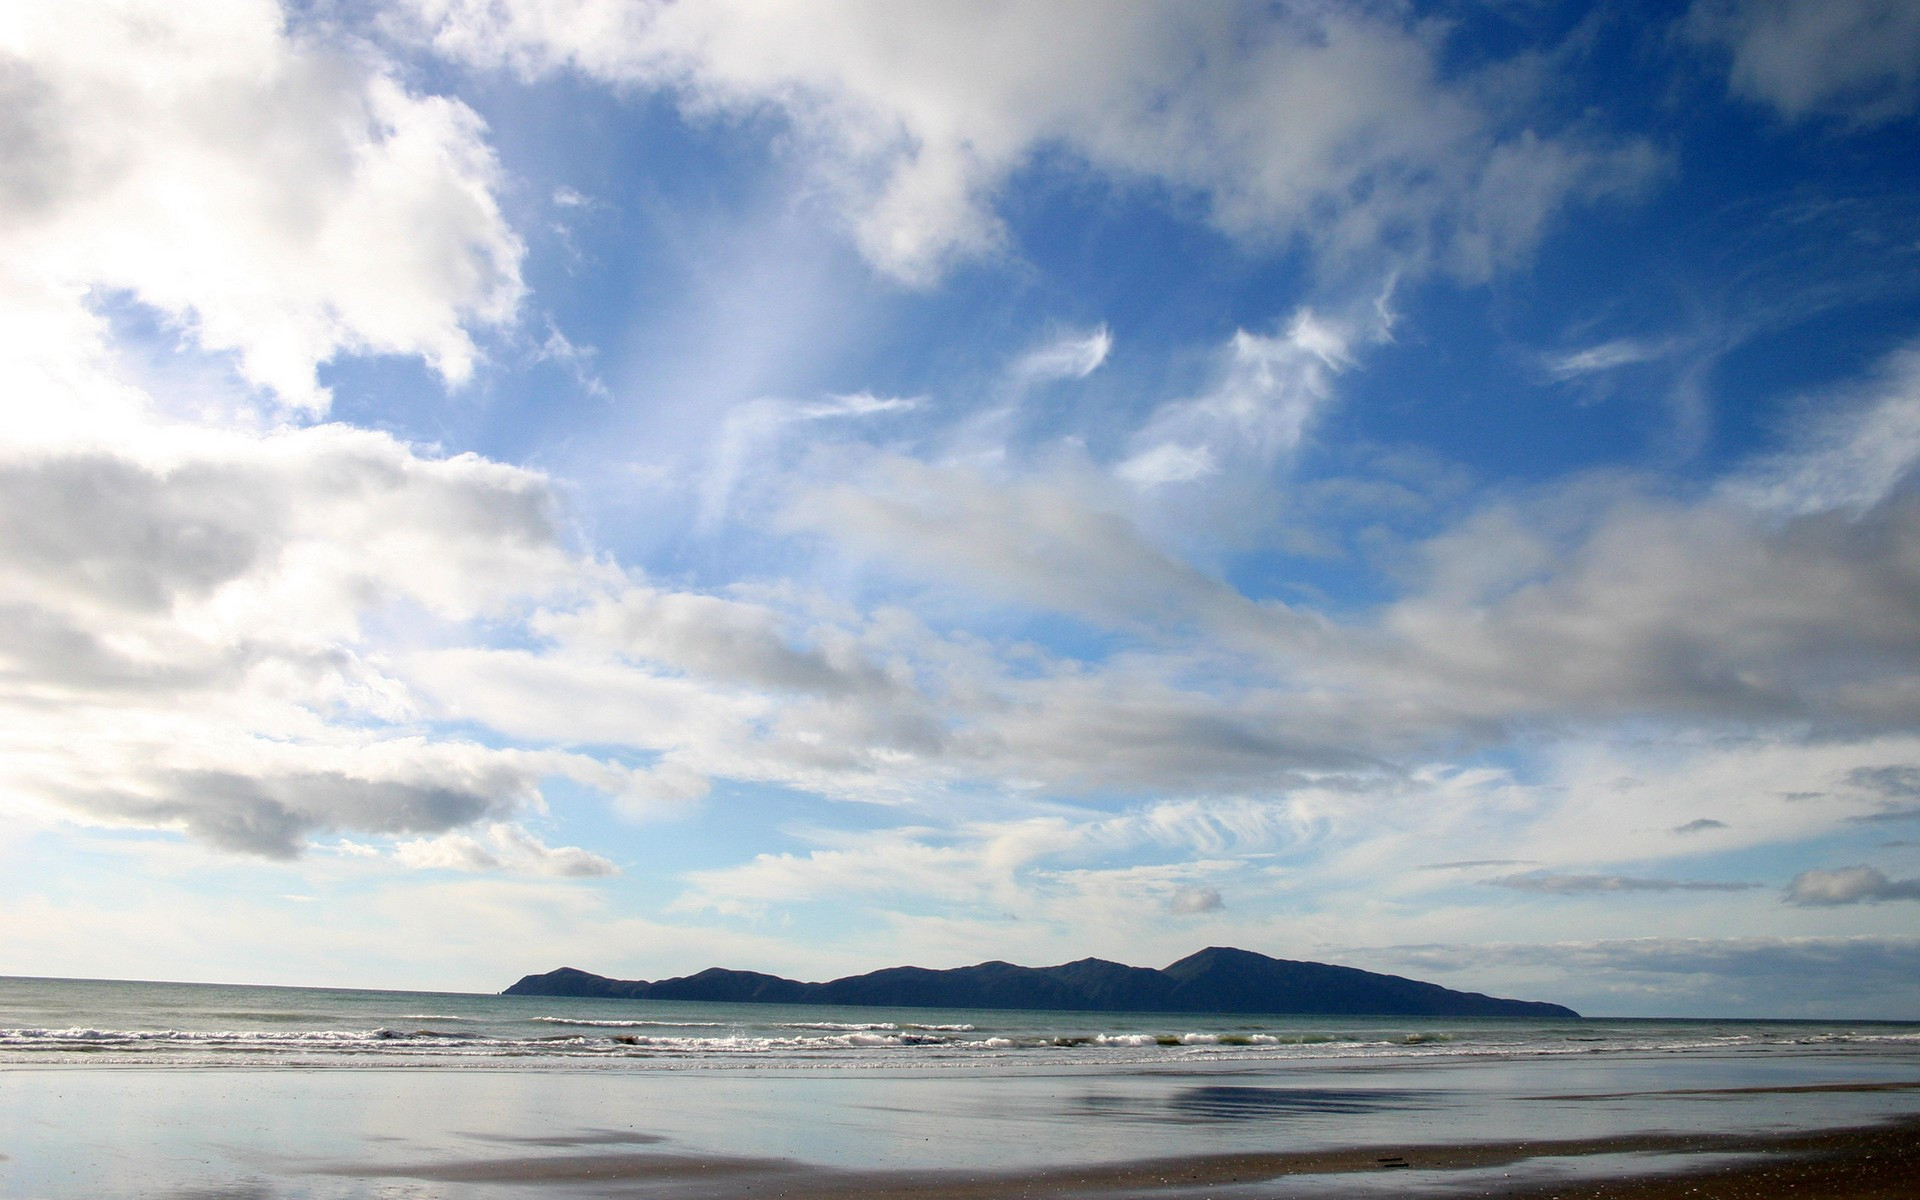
{"points": [[823, 1043], [874, 1026], [307, 1037], [588, 1023]]}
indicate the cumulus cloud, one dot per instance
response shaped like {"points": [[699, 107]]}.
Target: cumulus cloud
{"points": [[211, 594], [1791, 593], [202, 556], [1858, 59], [1192, 901], [1849, 885], [501, 846], [1700, 611], [272, 815], [1586, 885], [184, 631], [278, 199], [1568, 610], [718, 640], [1571, 609], [1334, 123]]}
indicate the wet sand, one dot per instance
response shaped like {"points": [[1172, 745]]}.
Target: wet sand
{"points": [[1648, 1127], [1880, 1162]]}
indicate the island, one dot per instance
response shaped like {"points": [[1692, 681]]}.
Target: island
{"points": [[1217, 979]]}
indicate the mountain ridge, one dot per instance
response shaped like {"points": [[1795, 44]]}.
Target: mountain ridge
{"points": [[1216, 979]]}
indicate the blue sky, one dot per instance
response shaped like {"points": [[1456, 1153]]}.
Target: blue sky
{"points": [[495, 485]]}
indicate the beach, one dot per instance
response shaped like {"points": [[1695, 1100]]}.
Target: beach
{"points": [[1881, 1161], [311, 1139], [200, 1093]]}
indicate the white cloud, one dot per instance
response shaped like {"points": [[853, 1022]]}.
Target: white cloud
{"points": [[194, 631], [1027, 866], [1606, 800], [1549, 884], [1058, 544], [1269, 389], [1767, 976], [668, 789], [1705, 611], [275, 197], [1854, 58], [1699, 825], [373, 926], [717, 640], [1312, 120], [501, 846], [271, 813], [1167, 463], [1606, 356], [749, 444], [1072, 356], [1849, 885], [1191, 901], [1864, 445]]}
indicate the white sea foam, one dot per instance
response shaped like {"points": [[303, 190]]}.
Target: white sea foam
{"points": [[307, 1031], [217, 1037], [587, 1023]]}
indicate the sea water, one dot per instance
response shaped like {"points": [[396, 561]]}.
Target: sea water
{"points": [[111, 1089], [157, 1024]]}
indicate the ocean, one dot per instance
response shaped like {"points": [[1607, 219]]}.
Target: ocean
{"points": [[111, 1089]]}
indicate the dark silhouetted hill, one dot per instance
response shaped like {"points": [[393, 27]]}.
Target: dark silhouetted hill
{"points": [[1217, 979]]}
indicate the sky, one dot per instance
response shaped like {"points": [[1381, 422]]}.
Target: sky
{"points": [[491, 485]]}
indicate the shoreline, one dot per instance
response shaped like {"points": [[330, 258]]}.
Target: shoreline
{"points": [[1880, 1161]]}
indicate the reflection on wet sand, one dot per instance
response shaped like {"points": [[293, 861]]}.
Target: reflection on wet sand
{"points": [[1874, 1163]]}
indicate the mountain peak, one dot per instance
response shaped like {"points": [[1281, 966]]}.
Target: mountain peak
{"points": [[1216, 979]]}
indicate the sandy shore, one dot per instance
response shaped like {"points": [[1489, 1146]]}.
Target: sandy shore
{"points": [[1813, 1124], [1879, 1162]]}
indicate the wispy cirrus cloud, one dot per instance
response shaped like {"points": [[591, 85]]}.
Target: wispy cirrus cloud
{"points": [[1607, 356], [1549, 884], [1269, 388], [1071, 356]]}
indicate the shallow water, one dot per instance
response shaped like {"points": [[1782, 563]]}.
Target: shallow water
{"points": [[43, 1020], [112, 1090]]}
